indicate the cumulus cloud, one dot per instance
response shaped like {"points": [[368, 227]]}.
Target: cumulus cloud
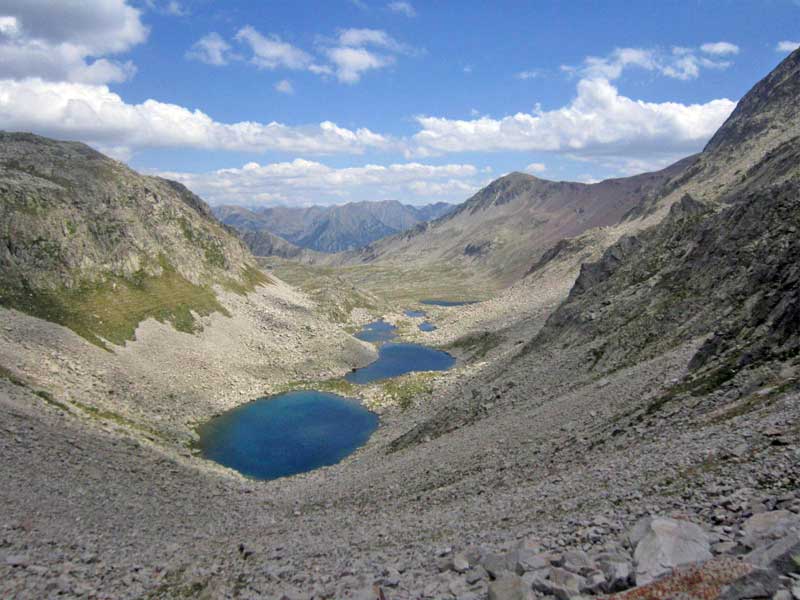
{"points": [[402, 8], [351, 63], [94, 114], [535, 168], [211, 49], [787, 46], [284, 86], [68, 41], [270, 52], [303, 181], [679, 63], [720, 48], [347, 56], [598, 121]]}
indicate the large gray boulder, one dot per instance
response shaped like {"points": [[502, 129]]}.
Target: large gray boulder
{"points": [[666, 544], [766, 527]]}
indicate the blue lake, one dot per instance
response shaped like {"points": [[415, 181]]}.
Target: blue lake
{"points": [[415, 313], [377, 332], [287, 434], [399, 359], [447, 302], [427, 326]]}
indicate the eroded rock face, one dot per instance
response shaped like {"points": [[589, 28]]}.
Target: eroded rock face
{"points": [[666, 544]]}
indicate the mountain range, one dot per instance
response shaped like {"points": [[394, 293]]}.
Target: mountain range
{"points": [[327, 228]]}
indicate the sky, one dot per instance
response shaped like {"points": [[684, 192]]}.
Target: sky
{"points": [[322, 102]]}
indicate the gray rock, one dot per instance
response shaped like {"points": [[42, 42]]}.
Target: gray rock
{"points": [[578, 562], [769, 526], [667, 544], [564, 584], [781, 556], [507, 587], [460, 563], [533, 561], [617, 570], [497, 564], [17, 560], [758, 584]]}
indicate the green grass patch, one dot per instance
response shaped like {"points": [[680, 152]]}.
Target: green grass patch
{"points": [[477, 345], [334, 386], [404, 390], [107, 415], [114, 308], [44, 395]]}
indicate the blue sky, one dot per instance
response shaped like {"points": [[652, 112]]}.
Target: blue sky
{"points": [[321, 102]]}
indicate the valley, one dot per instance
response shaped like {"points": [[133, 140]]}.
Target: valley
{"points": [[606, 368]]}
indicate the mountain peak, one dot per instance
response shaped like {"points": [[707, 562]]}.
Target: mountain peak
{"points": [[770, 104]]}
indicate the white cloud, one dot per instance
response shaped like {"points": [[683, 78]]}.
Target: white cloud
{"points": [[352, 62], [720, 48], [535, 168], [598, 121], [787, 46], [530, 74], [680, 63], [68, 41], [211, 49], [271, 52], [284, 86], [402, 8], [94, 114], [302, 182]]}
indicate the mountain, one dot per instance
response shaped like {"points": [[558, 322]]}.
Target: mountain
{"points": [[263, 243], [88, 243], [149, 310], [331, 228], [701, 284], [506, 227]]}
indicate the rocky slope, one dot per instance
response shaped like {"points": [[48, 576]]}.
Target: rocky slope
{"points": [[331, 228]]}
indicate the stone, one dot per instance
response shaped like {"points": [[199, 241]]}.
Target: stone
{"points": [[578, 562], [17, 560], [497, 564], [781, 556], [618, 572], [509, 586], [668, 543], [768, 526], [533, 561], [460, 563], [564, 584]]}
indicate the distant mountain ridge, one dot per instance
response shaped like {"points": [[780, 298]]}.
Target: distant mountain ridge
{"points": [[504, 228], [329, 228]]}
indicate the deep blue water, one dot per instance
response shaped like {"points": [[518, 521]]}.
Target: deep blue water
{"points": [[415, 313], [399, 359], [427, 326], [377, 332], [447, 302], [287, 434]]}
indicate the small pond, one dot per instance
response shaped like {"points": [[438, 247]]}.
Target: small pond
{"points": [[377, 332], [448, 302], [290, 433], [427, 326], [414, 314], [399, 359]]}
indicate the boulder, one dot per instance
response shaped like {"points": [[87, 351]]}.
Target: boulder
{"points": [[508, 586], [668, 543], [617, 570], [781, 556], [769, 526]]}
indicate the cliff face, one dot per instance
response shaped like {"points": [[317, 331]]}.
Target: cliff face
{"points": [[89, 243]]}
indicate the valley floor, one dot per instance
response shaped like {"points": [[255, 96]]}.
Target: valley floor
{"points": [[94, 508]]}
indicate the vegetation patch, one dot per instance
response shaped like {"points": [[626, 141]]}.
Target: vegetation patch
{"points": [[404, 390], [477, 345], [46, 396], [107, 415], [251, 277], [112, 309]]}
